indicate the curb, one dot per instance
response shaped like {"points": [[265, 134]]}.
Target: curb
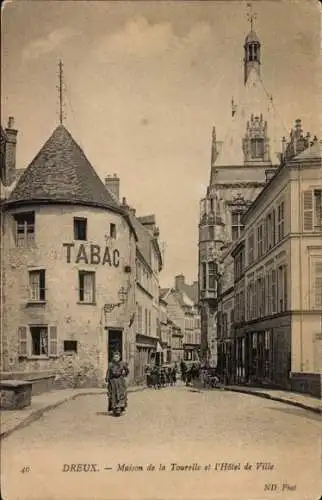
{"points": [[266, 395], [37, 414]]}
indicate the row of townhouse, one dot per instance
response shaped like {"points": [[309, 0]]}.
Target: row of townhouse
{"points": [[79, 270], [270, 301], [182, 316]]}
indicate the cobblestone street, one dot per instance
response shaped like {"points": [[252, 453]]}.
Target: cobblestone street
{"points": [[179, 425]]}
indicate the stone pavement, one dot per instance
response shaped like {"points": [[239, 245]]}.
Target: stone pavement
{"points": [[175, 427], [12, 420]]}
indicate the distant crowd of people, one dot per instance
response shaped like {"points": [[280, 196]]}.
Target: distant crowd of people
{"points": [[189, 373], [161, 376], [158, 376]]}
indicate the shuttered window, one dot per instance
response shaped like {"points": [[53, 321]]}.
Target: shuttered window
{"points": [[149, 322], [38, 340], [318, 209], [317, 286], [250, 248], [23, 341], [260, 240], [139, 319], [280, 221], [308, 210], [269, 292], [53, 349], [312, 210], [274, 298]]}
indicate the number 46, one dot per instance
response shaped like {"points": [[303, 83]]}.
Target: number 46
{"points": [[27, 468]]}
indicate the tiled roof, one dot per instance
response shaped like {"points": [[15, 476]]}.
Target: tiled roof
{"points": [[61, 173], [191, 291], [183, 299], [144, 238]]}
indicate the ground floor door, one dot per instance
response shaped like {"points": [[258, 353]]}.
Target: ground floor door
{"points": [[114, 342]]}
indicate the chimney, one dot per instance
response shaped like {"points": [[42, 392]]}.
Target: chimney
{"points": [[10, 152], [112, 183], [178, 281]]}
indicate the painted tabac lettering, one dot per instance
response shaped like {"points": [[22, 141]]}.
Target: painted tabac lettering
{"points": [[93, 254]]}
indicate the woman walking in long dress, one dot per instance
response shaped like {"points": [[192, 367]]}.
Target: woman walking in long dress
{"points": [[117, 391]]}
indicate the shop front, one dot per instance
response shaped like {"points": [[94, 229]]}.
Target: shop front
{"points": [[258, 359]]}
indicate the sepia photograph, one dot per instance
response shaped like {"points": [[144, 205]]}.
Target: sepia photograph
{"points": [[161, 250]]}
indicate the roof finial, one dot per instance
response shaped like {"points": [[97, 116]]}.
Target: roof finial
{"points": [[251, 16], [60, 90]]}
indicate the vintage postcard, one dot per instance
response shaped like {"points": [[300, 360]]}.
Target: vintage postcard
{"points": [[161, 250]]}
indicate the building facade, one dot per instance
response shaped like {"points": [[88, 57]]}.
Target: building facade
{"points": [[277, 326], [183, 310], [148, 267], [69, 260], [240, 168]]}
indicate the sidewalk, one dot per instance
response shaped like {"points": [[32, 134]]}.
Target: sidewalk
{"points": [[287, 397], [12, 420], [291, 398]]}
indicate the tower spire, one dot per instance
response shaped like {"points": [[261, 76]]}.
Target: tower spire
{"points": [[252, 46], [251, 16], [61, 92]]}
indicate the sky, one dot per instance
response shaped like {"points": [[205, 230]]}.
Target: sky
{"points": [[144, 84]]}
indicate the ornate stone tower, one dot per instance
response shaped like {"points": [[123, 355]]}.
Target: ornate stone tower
{"points": [[211, 240], [240, 168]]}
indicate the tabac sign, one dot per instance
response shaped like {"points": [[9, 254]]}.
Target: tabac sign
{"points": [[91, 254]]}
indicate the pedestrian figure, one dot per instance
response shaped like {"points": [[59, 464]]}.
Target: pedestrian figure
{"points": [[115, 378], [169, 376], [183, 368], [188, 376], [162, 377], [174, 375], [148, 376], [155, 377]]}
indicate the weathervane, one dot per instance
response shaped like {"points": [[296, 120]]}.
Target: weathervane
{"points": [[251, 16], [60, 88]]}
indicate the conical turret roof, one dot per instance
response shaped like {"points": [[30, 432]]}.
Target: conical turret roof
{"points": [[61, 173]]}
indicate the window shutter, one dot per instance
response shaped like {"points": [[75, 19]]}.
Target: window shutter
{"points": [[23, 341], [53, 351], [308, 210], [318, 284]]}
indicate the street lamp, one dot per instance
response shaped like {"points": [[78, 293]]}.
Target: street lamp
{"points": [[122, 295]]}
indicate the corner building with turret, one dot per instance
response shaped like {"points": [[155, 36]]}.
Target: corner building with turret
{"points": [[69, 280]]}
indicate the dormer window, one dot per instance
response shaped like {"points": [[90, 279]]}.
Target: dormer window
{"points": [[25, 228]]}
